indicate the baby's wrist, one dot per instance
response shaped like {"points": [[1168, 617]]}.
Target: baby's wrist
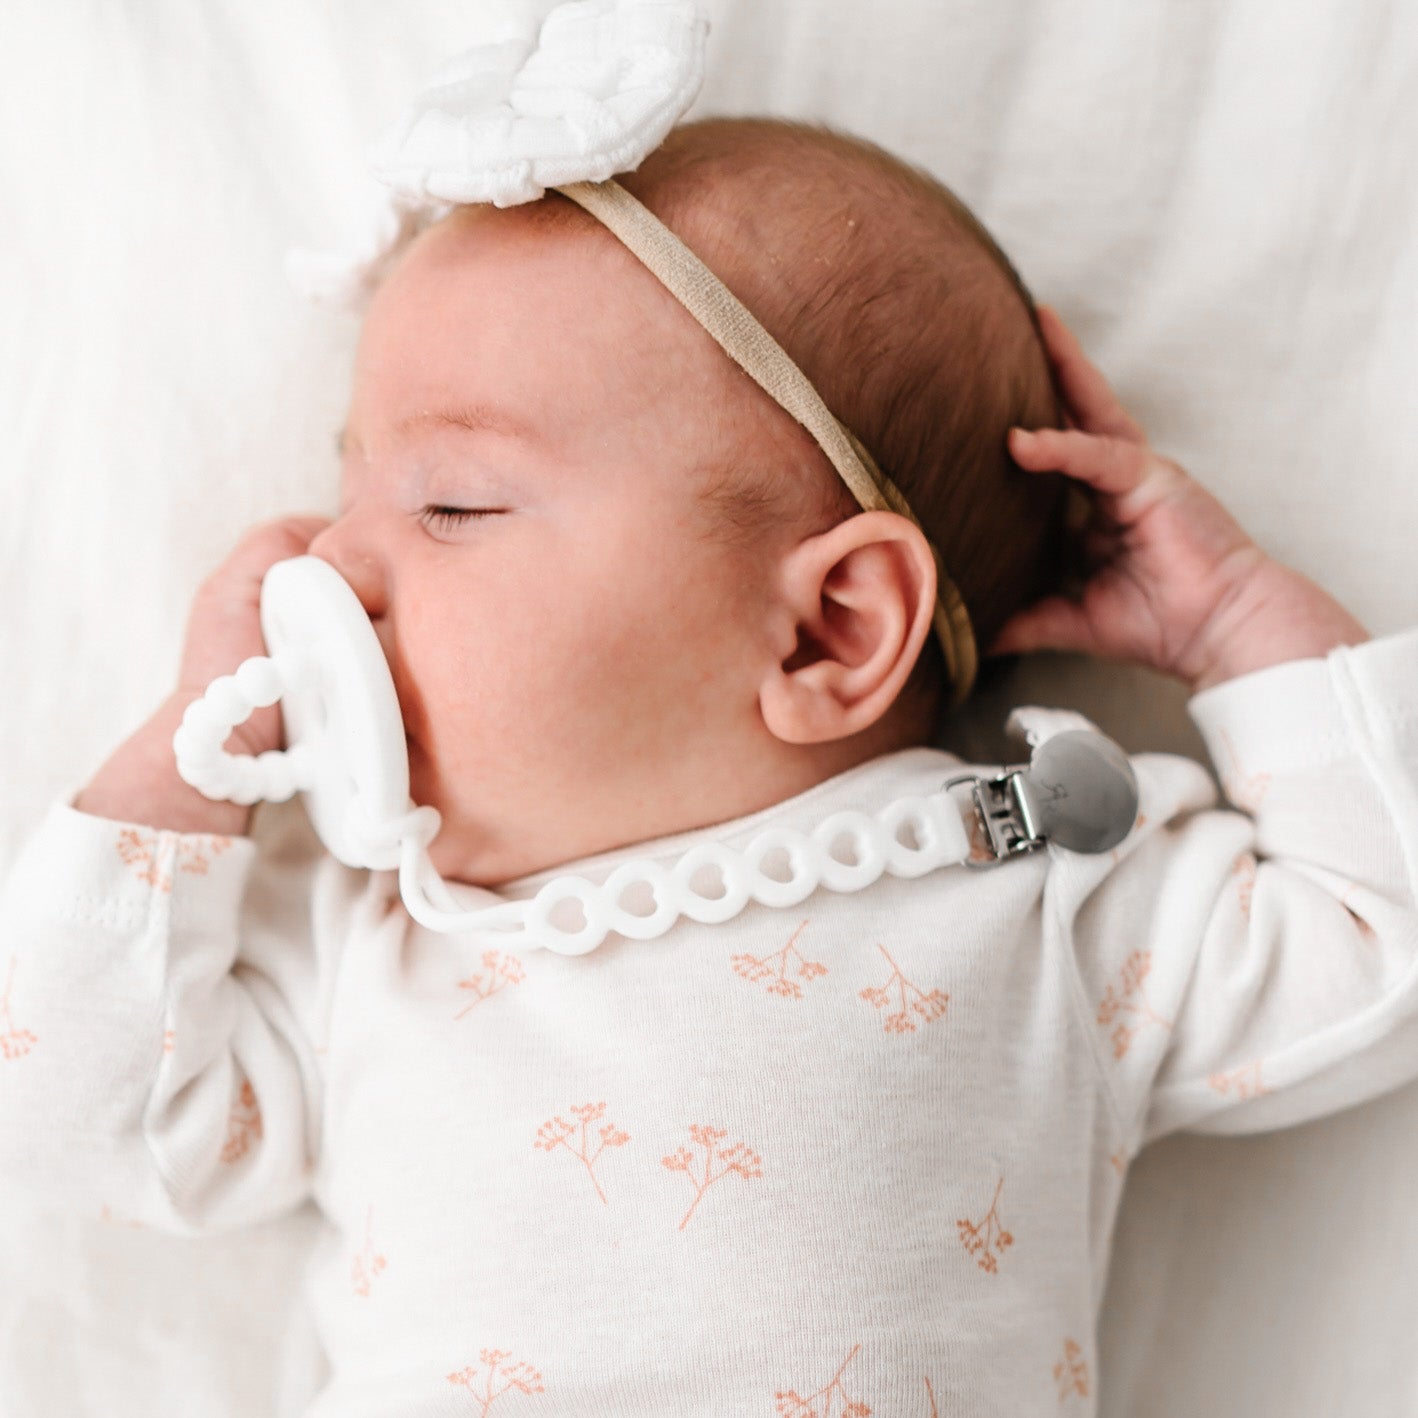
{"points": [[140, 784], [1273, 616]]}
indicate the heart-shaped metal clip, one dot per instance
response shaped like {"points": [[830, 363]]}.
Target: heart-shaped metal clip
{"points": [[1078, 790]]}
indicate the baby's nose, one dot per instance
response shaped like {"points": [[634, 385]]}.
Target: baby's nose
{"points": [[356, 563]]}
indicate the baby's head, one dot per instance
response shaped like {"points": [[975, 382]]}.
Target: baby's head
{"points": [[667, 609]]}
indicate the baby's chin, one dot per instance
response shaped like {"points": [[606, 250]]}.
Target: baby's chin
{"points": [[454, 856], [470, 850], [457, 860]]}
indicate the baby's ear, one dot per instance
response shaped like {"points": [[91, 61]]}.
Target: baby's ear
{"points": [[853, 610]]}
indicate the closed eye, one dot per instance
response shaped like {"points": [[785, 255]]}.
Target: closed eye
{"points": [[448, 517]]}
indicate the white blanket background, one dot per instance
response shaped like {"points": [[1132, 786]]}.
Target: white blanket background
{"points": [[1218, 197]]}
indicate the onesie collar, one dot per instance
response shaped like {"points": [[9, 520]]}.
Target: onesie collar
{"points": [[866, 786]]}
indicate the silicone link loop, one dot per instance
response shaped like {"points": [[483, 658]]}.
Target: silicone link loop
{"points": [[230, 700], [803, 882]]}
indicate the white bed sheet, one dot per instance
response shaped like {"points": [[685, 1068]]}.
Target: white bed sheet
{"points": [[1219, 199]]}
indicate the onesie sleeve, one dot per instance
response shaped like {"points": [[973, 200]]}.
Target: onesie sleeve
{"points": [[1251, 967], [158, 1066]]}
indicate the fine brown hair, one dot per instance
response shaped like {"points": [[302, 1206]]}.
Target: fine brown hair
{"points": [[913, 325]]}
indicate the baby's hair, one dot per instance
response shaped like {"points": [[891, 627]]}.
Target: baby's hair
{"points": [[913, 325]]}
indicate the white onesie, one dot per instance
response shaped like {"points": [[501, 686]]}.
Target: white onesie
{"points": [[857, 1157]]}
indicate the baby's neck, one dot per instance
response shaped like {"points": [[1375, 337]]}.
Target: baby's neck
{"points": [[687, 795]]}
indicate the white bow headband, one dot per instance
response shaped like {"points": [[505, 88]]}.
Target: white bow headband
{"points": [[565, 95]]}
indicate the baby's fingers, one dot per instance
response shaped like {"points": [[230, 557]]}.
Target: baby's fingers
{"points": [[1055, 623], [1091, 402], [1109, 465]]}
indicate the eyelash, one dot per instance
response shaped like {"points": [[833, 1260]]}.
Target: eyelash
{"points": [[449, 517]]}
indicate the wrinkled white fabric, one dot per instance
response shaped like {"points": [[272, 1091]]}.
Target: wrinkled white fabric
{"points": [[866, 1151]]}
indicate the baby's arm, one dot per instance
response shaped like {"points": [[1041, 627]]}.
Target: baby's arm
{"points": [[1240, 970], [1255, 968], [148, 1072]]}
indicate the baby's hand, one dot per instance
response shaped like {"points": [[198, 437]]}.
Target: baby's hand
{"points": [[139, 782], [1173, 581], [224, 624]]}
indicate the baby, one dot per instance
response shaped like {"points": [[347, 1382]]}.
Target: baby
{"points": [[860, 1157]]}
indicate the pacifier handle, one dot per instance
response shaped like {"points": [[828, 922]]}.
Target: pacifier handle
{"points": [[230, 700], [346, 754]]}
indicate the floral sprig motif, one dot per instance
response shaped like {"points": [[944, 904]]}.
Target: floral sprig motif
{"points": [[774, 968], [499, 969], [1245, 874], [984, 1238], [114, 1218], [1246, 1081], [243, 1125], [898, 990], [14, 1042], [1246, 790], [367, 1262], [514, 1377], [734, 1158], [833, 1397], [1071, 1372], [194, 853], [1130, 982], [558, 1133]]}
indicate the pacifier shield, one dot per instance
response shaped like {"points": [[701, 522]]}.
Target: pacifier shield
{"points": [[343, 710]]}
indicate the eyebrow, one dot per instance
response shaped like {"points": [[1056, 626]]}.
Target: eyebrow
{"points": [[479, 418]]}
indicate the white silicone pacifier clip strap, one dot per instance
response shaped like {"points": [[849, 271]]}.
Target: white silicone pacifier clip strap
{"points": [[935, 822]]}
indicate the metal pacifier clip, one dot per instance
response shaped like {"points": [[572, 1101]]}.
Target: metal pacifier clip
{"points": [[348, 757]]}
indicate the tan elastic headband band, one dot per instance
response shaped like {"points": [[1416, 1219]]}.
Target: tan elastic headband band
{"points": [[760, 356]]}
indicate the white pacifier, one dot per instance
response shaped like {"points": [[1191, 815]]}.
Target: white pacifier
{"points": [[347, 751]]}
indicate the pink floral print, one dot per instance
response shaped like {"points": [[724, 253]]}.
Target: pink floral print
{"points": [[912, 1003], [1071, 1372], [560, 1133], [736, 1158], [195, 852], [15, 1042], [832, 1400], [1245, 1081], [984, 1238], [499, 1378], [368, 1263], [244, 1125], [772, 970], [499, 969], [1130, 982]]}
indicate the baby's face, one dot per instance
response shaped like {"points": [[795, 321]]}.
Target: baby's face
{"points": [[575, 660]]}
